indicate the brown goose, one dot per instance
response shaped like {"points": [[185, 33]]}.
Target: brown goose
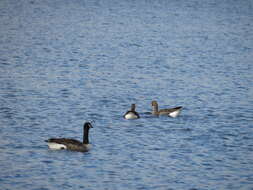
{"points": [[172, 112], [72, 144], [131, 114]]}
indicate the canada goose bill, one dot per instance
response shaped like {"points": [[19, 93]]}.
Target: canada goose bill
{"points": [[172, 112], [72, 144], [131, 114]]}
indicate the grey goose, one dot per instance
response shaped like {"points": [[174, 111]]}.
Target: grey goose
{"points": [[172, 112]]}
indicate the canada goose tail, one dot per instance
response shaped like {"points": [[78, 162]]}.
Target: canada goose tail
{"points": [[50, 140]]}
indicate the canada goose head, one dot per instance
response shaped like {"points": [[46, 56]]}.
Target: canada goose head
{"points": [[86, 128], [87, 125]]}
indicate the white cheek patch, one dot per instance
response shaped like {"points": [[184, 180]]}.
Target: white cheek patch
{"points": [[56, 146], [174, 113]]}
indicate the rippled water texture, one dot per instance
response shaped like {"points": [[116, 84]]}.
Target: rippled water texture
{"points": [[66, 62]]}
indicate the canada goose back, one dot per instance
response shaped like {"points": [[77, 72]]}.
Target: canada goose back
{"points": [[131, 114]]}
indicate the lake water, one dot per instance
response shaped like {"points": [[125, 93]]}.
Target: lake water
{"points": [[66, 62]]}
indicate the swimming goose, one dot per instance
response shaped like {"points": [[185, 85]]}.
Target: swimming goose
{"points": [[131, 114], [172, 112], [72, 144]]}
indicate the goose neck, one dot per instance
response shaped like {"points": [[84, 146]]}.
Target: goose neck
{"points": [[155, 109], [133, 107], [85, 135]]}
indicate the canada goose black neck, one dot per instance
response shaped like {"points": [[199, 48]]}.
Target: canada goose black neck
{"points": [[133, 107], [86, 128]]}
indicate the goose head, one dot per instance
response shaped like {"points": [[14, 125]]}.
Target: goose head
{"points": [[154, 103], [87, 125]]}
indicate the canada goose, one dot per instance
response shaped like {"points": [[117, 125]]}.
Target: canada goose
{"points": [[72, 144], [172, 112], [131, 114]]}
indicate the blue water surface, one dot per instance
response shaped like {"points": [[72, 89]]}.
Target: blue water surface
{"points": [[66, 62]]}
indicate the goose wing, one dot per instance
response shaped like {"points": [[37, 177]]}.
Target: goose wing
{"points": [[136, 114], [170, 110], [64, 141]]}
